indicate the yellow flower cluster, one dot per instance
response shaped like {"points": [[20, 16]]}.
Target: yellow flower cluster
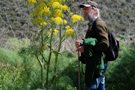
{"points": [[58, 13], [57, 20], [65, 22], [58, 0], [30, 2], [39, 21], [75, 18], [49, 9], [55, 31], [47, 12], [41, 9], [48, 33], [56, 5], [65, 7], [69, 32]]}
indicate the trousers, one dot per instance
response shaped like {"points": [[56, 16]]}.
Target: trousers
{"points": [[98, 83]]}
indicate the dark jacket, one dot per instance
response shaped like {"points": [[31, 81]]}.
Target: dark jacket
{"points": [[100, 32]]}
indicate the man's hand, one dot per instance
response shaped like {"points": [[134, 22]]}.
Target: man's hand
{"points": [[77, 43], [78, 46]]}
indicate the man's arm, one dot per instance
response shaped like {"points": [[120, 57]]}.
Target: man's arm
{"points": [[102, 37]]}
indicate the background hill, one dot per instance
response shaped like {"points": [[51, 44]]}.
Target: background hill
{"points": [[15, 21]]}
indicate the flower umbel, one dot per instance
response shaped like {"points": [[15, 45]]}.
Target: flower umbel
{"points": [[57, 20], [39, 21], [56, 5], [65, 22], [30, 2], [56, 31], [58, 13], [75, 18], [69, 32], [65, 7], [41, 9], [46, 10]]}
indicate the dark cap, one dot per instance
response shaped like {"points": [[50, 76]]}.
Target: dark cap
{"points": [[88, 4]]}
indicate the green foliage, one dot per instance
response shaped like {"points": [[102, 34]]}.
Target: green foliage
{"points": [[15, 44], [24, 74], [10, 57], [10, 77], [63, 82], [19, 71], [120, 73], [70, 88]]}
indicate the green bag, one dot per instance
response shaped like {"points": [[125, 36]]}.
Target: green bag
{"points": [[88, 44]]}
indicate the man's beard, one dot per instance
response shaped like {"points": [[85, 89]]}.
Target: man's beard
{"points": [[90, 17]]}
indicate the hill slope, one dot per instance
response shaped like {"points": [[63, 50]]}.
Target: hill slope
{"points": [[15, 21]]}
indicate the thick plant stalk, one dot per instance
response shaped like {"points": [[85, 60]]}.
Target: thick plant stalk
{"points": [[43, 61], [42, 68], [78, 54], [56, 56], [48, 63], [79, 85]]}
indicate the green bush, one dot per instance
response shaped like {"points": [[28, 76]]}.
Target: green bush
{"points": [[10, 76], [18, 71], [16, 44], [120, 73], [22, 71], [7, 56]]}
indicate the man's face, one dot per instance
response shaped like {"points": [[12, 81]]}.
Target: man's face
{"points": [[86, 11]]}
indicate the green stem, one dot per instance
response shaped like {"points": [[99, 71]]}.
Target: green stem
{"points": [[42, 55], [49, 59], [41, 66], [56, 56]]}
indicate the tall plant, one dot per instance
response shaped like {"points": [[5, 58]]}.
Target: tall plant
{"points": [[55, 23]]}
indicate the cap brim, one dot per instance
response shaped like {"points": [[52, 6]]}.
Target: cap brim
{"points": [[84, 5]]}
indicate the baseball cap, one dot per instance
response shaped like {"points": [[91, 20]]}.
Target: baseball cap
{"points": [[88, 4]]}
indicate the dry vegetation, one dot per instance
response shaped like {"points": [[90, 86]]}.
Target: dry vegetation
{"points": [[15, 21]]}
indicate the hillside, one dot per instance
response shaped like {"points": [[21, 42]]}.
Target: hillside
{"points": [[15, 21]]}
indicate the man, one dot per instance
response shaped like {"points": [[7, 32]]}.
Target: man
{"points": [[94, 74]]}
